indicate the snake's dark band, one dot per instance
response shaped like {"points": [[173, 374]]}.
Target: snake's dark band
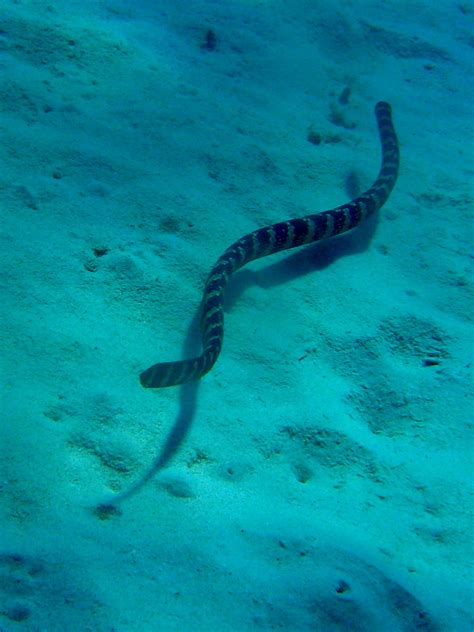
{"points": [[267, 241]]}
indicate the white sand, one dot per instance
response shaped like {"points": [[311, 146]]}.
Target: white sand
{"points": [[325, 482]]}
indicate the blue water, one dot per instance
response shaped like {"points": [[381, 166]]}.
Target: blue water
{"points": [[320, 476]]}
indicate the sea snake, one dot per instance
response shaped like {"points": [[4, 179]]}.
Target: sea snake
{"points": [[268, 240]]}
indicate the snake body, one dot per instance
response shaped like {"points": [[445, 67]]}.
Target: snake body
{"points": [[269, 240]]}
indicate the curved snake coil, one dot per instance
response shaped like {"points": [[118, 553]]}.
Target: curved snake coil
{"points": [[267, 241]]}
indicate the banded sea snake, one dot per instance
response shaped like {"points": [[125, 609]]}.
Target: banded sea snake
{"points": [[269, 240]]}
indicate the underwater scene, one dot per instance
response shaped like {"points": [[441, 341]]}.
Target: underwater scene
{"points": [[236, 315]]}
